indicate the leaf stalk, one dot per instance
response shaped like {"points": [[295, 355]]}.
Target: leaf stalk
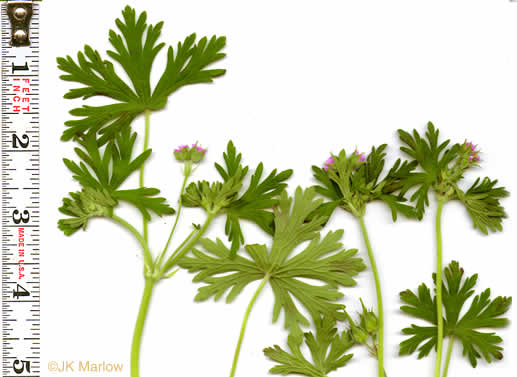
{"points": [[244, 324]]}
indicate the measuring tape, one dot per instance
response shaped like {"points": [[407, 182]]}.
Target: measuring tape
{"points": [[20, 189]]}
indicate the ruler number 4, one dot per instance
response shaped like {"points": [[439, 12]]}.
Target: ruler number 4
{"points": [[20, 292], [17, 140]]}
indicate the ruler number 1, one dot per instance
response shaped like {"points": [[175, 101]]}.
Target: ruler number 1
{"points": [[20, 369], [17, 140], [22, 217]]}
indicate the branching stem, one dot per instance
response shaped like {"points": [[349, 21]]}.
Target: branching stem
{"points": [[245, 322], [180, 204], [171, 262], [145, 247], [139, 326], [380, 313]]}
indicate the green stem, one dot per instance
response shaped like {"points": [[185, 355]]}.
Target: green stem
{"points": [[380, 354], [139, 326], [147, 114], [147, 253], [448, 359], [171, 262], [245, 322], [180, 204], [439, 304]]}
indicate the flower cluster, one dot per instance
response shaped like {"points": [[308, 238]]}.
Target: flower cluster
{"points": [[471, 152], [330, 161], [193, 153]]}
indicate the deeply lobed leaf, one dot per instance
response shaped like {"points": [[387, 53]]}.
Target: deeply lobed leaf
{"points": [[483, 313], [327, 348], [323, 260], [135, 47]]}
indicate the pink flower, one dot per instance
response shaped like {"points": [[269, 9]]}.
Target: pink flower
{"points": [[472, 151], [199, 149], [328, 164], [181, 148], [361, 156]]}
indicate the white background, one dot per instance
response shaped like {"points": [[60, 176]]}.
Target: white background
{"points": [[305, 78]]}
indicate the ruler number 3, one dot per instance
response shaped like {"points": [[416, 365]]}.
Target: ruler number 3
{"points": [[22, 217], [17, 140]]}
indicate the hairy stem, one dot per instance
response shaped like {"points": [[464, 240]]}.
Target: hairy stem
{"points": [[244, 323], [439, 305], [139, 326], [147, 115], [448, 359], [145, 247], [180, 204], [171, 262], [380, 313]]}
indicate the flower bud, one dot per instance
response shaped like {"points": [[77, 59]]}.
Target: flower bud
{"points": [[371, 322], [359, 335]]}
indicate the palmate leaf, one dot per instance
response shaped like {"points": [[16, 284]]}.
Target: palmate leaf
{"points": [[135, 47], [109, 168], [328, 351], [105, 169], [434, 159], [352, 184], [254, 205], [323, 259], [483, 313]]}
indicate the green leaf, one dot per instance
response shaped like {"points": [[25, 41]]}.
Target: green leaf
{"points": [[82, 206], [328, 350], [483, 313], [144, 199], [135, 47], [321, 260], [482, 203], [107, 168], [254, 204], [351, 183], [434, 159]]}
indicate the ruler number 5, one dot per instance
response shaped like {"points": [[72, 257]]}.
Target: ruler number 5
{"points": [[24, 364], [17, 140], [23, 217]]}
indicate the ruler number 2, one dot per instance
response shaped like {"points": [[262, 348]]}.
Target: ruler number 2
{"points": [[20, 369], [22, 217], [17, 140]]}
